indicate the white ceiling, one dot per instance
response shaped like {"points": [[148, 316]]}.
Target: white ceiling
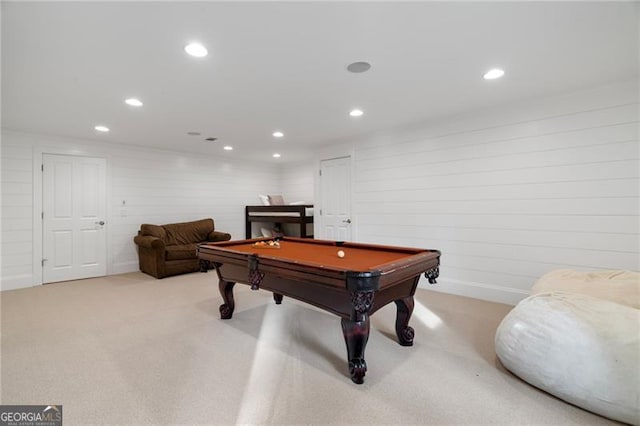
{"points": [[67, 67]]}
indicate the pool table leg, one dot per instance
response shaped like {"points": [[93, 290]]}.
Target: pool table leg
{"points": [[404, 332], [226, 290], [277, 297], [205, 265], [356, 334]]}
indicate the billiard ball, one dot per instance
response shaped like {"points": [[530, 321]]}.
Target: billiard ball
{"points": [[340, 253]]}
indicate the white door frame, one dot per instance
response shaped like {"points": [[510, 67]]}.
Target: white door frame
{"points": [[38, 245], [318, 219]]}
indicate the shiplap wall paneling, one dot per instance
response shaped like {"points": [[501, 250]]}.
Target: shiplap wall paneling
{"points": [[509, 202], [296, 182], [156, 187], [167, 190], [17, 219]]}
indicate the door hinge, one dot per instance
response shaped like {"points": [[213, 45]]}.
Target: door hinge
{"points": [[320, 172], [44, 260], [42, 167], [320, 212], [42, 215]]}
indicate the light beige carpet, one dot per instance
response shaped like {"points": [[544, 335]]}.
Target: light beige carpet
{"points": [[130, 349]]}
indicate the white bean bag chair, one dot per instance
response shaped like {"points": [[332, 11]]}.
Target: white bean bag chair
{"points": [[621, 287], [582, 349]]}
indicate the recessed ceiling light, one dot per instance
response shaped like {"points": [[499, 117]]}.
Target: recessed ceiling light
{"points": [[493, 74], [278, 134], [193, 133], [133, 102], [356, 112], [276, 155], [102, 128], [196, 49], [228, 148], [211, 139], [358, 67]]}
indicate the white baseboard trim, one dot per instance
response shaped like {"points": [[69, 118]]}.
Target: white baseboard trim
{"points": [[492, 293], [28, 280], [16, 282], [124, 267]]}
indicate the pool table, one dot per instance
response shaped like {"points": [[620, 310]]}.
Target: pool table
{"points": [[354, 286]]}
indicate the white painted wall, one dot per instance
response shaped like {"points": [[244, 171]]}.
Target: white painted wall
{"points": [[17, 215], [506, 194], [296, 182], [511, 193], [157, 187]]}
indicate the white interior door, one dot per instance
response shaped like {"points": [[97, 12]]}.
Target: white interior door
{"points": [[74, 218], [335, 193]]}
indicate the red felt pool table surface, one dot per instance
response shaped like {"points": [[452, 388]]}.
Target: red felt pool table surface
{"points": [[326, 255]]}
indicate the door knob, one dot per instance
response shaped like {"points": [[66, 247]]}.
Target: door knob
{"points": [[101, 223], [347, 221]]}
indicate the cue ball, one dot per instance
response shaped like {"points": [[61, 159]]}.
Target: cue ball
{"points": [[340, 253]]}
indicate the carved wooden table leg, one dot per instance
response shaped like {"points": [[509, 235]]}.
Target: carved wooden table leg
{"points": [[278, 298], [356, 334], [226, 290], [404, 332], [205, 265]]}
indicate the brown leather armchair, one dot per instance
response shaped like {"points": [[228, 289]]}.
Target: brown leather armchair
{"points": [[165, 250]]}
